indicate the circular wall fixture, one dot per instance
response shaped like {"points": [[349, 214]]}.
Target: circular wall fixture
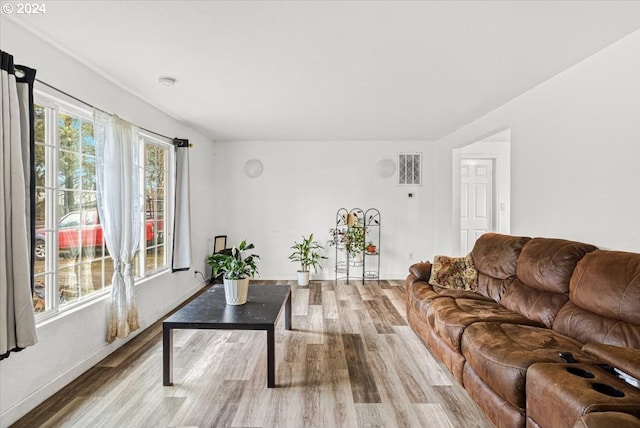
{"points": [[386, 168], [253, 168]]}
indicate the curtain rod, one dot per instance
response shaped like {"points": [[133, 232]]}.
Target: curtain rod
{"points": [[180, 142]]}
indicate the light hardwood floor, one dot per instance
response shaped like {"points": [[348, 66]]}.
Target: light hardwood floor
{"points": [[350, 360]]}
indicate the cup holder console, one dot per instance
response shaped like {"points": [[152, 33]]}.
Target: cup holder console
{"points": [[605, 389], [580, 372], [602, 388], [572, 389]]}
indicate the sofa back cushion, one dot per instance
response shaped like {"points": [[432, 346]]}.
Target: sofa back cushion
{"points": [[496, 257], [533, 304], [604, 304], [493, 288], [544, 270], [547, 264]]}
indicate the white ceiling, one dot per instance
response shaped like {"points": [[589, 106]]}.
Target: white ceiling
{"points": [[339, 70]]}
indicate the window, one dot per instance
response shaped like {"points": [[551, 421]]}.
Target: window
{"points": [[156, 172], [72, 263], [409, 168]]}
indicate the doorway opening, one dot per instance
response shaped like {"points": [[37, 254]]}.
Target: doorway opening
{"points": [[482, 189]]}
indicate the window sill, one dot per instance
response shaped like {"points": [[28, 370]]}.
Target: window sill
{"points": [[48, 318]]}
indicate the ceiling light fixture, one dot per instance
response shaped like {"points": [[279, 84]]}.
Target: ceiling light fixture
{"points": [[167, 81]]}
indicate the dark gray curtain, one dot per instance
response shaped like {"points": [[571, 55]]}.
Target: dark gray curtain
{"points": [[182, 218], [17, 220]]}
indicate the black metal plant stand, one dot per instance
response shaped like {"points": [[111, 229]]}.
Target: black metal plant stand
{"points": [[362, 263]]}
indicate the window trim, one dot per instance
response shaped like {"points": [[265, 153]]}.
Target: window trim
{"points": [[147, 137]]}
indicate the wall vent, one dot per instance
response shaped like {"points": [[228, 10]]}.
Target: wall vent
{"points": [[410, 168]]}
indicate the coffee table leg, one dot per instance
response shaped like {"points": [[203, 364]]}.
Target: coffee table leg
{"points": [[271, 358], [287, 312], [167, 356]]}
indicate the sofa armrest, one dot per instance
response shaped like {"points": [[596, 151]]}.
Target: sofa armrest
{"points": [[624, 359], [422, 270], [607, 420]]}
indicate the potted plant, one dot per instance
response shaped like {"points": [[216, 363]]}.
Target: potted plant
{"points": [[337, 237], [306, 253], [350, 239], [354, 242], [236, 270]]}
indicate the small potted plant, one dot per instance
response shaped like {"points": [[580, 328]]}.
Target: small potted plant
{"points": [[337, 237], [354, 242], [371, 247], [306, 253], [236, 270]]}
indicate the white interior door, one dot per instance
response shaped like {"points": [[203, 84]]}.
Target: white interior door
{"points": [[476, 192]]}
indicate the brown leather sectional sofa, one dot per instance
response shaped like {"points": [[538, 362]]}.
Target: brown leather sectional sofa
{"points": [[538, 342]]}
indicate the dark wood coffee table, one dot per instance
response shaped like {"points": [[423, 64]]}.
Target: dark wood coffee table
{"points": [[210, 311]]}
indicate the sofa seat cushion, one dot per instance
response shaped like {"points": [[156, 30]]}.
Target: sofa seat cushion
{"points": [[448, 317], [421, 294], [501, 353]]}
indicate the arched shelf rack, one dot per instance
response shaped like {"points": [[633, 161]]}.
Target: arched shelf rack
{"points": [[357, 244]]}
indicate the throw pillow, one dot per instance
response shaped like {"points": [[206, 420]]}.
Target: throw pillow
{"points": [[454, 272]]}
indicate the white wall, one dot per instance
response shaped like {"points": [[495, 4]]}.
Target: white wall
{"points": [[575, 149], [302, 187], [72, 343]]}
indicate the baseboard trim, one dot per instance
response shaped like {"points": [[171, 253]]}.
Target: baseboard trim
{"points": [[32, 401]]}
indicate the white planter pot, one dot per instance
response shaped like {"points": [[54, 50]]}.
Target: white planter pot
{"points": [[303, 277], [356, 259], [236, 290]]}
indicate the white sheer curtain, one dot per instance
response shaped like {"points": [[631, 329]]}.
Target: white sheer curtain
{"points": [[17, 320], [119, 207]]}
